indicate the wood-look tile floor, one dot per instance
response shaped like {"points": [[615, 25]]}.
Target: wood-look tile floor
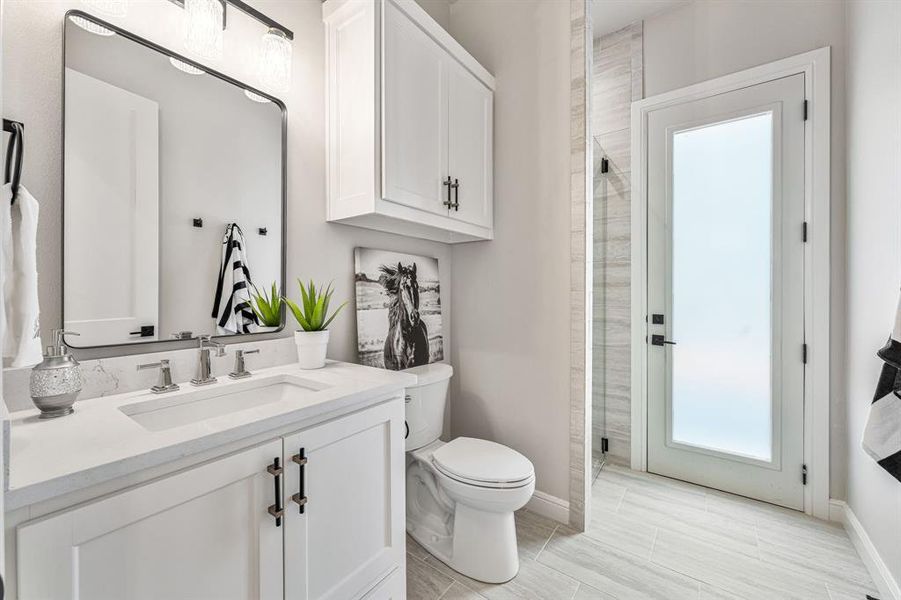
{"points": [[653, 538]]}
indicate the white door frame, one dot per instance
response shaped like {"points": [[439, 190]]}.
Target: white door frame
{"points": [[815, 65]]}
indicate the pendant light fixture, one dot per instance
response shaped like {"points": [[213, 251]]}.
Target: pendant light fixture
{"points": [[255, 97], [275, 61], [204, 27]]}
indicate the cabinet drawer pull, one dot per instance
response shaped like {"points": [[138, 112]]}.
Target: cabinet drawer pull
{"points": [[276, 510], [449, 185], [456, 186], [300, 497]]}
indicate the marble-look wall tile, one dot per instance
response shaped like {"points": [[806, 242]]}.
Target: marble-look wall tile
{"points": [[616, 82], [119, 374]]}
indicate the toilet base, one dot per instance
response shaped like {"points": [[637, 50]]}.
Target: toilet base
{"points": [[481, 547]]}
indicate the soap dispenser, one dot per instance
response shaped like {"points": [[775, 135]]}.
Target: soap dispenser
{"points": [[56, 381]]}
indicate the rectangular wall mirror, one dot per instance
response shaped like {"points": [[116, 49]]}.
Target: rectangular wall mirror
{"points": [[164, 163]]}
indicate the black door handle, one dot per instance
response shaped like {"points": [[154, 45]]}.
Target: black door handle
{"points": [[456, 186], [448, 203], [658, 340]]}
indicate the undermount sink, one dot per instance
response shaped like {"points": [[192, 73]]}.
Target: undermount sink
{"points": [[180, 409]]}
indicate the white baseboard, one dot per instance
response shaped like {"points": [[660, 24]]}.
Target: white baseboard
{"points": [[840, 512], [549, 506]]}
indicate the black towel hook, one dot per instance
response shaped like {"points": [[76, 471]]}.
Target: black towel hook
{"points": [[14, 153]]}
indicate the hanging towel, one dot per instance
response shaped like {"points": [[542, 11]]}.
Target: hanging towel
{"points": [[21, 324], [882, 436], [231, 308]]}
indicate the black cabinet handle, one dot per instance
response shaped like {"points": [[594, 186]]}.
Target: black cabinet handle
{"points": [[456, 186], [300, 497], [276, 510], [448, 203]]}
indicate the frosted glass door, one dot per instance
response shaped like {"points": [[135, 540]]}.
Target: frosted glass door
{"points": [[725, 291], [721, 286]]}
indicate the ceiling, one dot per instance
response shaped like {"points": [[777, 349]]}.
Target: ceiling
{"points": [[611, 15]]}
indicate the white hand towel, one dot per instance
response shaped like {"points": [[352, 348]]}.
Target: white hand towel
{"points": [[22, 338]]}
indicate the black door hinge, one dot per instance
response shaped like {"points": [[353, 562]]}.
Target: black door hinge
{"points": [[804, 353], [605, 445], [804, 232], [605, 165], [805, 110], [803, 474]]}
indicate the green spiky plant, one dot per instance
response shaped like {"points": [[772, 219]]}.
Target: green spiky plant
{"points": [[312, 314], [267, 306]]}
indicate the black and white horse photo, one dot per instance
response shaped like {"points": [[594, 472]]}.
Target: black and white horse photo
{"points": [[398, 309]]}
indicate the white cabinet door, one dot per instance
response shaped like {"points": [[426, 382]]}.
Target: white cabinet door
{"points": [[351, 532], [204, 533], [470, 139], [415, 115]]}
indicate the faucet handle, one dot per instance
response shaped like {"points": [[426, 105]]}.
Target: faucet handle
{"points": [[164, 383], [240, 371]]}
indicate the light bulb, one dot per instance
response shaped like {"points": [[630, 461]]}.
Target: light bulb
{"points": [[91, 26], [255, 97], [110, 8], [185, 67], [203, 27], [275, 61]]}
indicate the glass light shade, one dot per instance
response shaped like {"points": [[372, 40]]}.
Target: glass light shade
{"points": [[203, 28], [185, 67], [111, 8], [275, 61], [91, 26], [255, 97]]}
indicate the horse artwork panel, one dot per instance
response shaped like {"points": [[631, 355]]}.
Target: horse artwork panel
{"points": [[398, 309]]}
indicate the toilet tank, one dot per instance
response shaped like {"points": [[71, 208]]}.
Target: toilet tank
{"points": [[425, 404]]}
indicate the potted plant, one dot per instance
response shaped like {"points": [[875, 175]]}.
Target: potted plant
{"points": [[267, 308], [313, 317]]}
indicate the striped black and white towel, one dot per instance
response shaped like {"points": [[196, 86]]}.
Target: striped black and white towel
{"points": [[882, 436], [231, 308]]}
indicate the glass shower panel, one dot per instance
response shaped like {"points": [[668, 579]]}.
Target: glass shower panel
{"points": [[598, 338]]}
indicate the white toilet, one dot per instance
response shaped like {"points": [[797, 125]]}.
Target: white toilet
{"points": [[461, 495]]}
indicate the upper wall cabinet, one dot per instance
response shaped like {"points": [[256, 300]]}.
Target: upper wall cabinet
{"points": [[409, 124]]}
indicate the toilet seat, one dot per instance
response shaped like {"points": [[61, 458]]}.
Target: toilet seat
{"points": [[482, 463]]}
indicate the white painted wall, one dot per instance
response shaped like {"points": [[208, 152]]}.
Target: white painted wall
{"points": [[32, 67], [704, 40], [511, 327], [874, 250]]}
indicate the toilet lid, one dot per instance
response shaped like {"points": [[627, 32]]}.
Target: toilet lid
{"points": [[482, 461]]}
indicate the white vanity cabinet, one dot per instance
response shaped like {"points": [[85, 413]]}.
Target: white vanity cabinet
{"points": [[410, 124], [210, 531], [347, 532]]}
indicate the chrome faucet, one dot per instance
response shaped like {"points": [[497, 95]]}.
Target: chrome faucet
{"points": [[164, 383], [203, 375]]}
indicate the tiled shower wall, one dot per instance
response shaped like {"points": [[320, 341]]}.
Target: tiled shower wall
{"points": [[616, 83]]}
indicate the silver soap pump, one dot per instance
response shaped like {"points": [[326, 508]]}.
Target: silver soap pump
{"points": [[56, 381]]}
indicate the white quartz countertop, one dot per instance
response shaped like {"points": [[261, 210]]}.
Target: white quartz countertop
{"points": [[99, 442]]}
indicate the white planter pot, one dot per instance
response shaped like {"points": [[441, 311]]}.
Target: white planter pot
{"points": [[266, 329], [311, 348]]}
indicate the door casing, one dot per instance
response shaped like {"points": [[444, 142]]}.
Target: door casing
{"points": [[815, 65]]}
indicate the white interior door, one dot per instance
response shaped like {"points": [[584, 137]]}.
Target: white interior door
{"points": [[415, 114], [112, 199], [470, 138], [725, 291], [203, 534], [350, 534]]}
